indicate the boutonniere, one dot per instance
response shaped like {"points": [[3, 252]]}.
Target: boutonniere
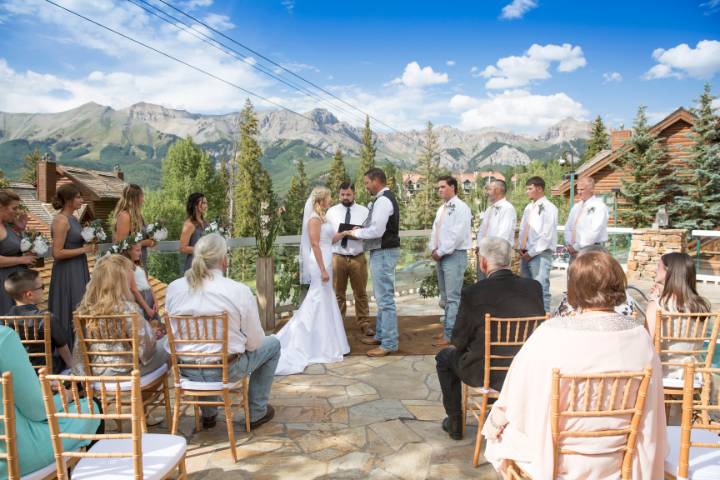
{"points": [[590, 210], [541, 207], [496, 209], [450, 208]]}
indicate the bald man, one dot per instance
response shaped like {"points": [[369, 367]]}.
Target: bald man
{"points": [[588, 220]]}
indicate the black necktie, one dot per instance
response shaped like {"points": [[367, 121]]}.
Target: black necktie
{"points": [[344, 241]]}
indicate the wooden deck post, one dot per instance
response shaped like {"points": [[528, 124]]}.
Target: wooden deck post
{"points": [[265, 278]]}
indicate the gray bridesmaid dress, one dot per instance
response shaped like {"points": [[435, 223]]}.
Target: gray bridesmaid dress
{"points": [[9, 247], [68, 281], [197, 233]]}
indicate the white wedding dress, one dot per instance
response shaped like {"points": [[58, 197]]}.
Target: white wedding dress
{"points": [[315, 334]]}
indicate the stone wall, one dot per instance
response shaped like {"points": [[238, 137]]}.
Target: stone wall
{"points": [[647, 246]]}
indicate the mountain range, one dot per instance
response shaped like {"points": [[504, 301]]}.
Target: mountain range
{"points": [[137, 138]]}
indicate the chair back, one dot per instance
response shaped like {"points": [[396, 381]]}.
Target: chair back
{"points": [[618, 397], [8, 422], [198, 342], [503, 339], [106, 389], [35, 338], [695, 333], [105, 341]]}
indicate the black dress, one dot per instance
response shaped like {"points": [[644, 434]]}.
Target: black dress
{"points": [[68, 281], [197, 233], [9, 247]]}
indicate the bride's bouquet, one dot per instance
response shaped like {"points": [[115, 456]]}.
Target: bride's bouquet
{"points": [[93, 232], [34, 242], [216, 227], [156, 231]]}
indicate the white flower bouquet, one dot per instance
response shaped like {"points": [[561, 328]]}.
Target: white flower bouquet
{"points": [[156, 231], [216, 227], [34, 242], [93, 232]]}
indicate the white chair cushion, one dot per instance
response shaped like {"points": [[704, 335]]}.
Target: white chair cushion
{"points": [[481, 391], [704, 462], [529, 469], [160, 454], [40, 474], [145, 380], [192, 385], [680, 382]]}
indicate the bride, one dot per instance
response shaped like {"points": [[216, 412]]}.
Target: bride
{"points": [[315, 334]]}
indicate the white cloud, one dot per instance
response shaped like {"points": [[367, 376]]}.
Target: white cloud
{"points": [[655, 117], [416, 77], [703, 61], [711, 6], [518, 110], [193, 4], [450, 63], [298, 67], [289, 5], [219, 22], [514, 71], [517, 8], [610, 77]]}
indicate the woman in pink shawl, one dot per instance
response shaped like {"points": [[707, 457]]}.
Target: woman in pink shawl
{"points": [[595, 339]]}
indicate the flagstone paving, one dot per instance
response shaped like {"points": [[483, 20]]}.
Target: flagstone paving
{"points": [[360, 418]]}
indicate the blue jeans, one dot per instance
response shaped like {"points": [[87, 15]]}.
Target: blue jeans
{"points": [[538, 268], [260, 364], [382, 269], [450, 275]]}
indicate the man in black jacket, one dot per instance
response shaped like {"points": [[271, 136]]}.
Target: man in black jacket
{"points": [[501, 294]]}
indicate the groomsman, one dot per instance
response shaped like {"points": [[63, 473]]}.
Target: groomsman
{"points": [[449, 242], [499, 219], [538, 236], [587, 223], [381, 233], [349, 260]]}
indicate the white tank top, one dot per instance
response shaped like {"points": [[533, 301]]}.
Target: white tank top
{"points": [[141, 279]]}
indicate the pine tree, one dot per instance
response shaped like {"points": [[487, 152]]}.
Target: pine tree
{"points": [[599, 139], [650, 183], [699, 204], [338, 173], [426, 200], [29, 170], [291, 218], [367, 161]]}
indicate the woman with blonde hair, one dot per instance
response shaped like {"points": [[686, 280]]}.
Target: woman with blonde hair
{"points": [[108, 293], [315, 334], [128, 219]]}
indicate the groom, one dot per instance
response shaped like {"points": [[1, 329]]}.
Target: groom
{"points": [[381, 233]]}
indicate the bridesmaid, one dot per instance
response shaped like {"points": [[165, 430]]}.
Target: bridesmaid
{"points": [[11, 257], [70, 272], [128, 219], [193, 226]]}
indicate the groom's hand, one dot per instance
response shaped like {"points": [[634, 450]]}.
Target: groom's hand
{"points": [[435, 256]]}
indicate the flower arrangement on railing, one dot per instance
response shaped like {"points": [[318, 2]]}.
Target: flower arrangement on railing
{"points": [[216, 227], [266, 229], [34, 242], [93, 232], [155, 231]]}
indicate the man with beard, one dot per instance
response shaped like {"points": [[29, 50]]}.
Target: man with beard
{"points": [[349, 261]]}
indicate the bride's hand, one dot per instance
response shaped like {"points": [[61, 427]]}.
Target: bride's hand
{"points": [[325, 276]]}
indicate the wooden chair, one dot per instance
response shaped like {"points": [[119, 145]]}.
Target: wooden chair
{"points": [[614, 395], [111, 330], [188, 337], [115, 455], [33, 336], [695, 444], [508, 333], [700, 329]]}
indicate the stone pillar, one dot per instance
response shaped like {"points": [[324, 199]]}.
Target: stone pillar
{"points": [[647, 246]]}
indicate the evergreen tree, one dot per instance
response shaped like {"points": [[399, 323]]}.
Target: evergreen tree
{"points": [[367, 161], [699, 204], [29, 170], [426, 200], [338, 173], [291, 218], [599, 139], [650, 184]]}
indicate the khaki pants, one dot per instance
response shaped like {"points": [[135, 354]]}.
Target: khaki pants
{"points": [[354, 268]]}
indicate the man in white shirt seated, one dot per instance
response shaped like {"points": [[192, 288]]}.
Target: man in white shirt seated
{"points": [[204, 290], [499, 219], [450, 240], [538, 236], [349, 261], [587, 223]]}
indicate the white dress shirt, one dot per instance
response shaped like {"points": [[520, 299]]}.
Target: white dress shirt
{"points": [[382, 209], [336, 215], [451, 229], [498, 220], [219, 294], [540, 217], [587, 223]]}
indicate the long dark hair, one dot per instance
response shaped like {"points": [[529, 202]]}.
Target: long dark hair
{"points": [[680, 281], [191, 208]]}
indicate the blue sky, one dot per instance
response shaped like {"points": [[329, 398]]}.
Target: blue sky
{"points": [[520, 65]]}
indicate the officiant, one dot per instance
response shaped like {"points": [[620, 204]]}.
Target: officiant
{"points": [[349, 260]]}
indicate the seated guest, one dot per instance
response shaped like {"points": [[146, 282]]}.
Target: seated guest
{"points": [[501, 294], [26, 287], [34, 446], [108, 293], [676, 292], [140, 287], [597, 339], [204, 290]]}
